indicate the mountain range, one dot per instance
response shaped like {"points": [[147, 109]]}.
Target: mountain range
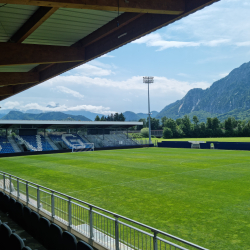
{"points": [[227, 97], [17, 115], [230, 96], [36, 114]]}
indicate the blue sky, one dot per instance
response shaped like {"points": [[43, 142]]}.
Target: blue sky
{"points": [[191, 53]]}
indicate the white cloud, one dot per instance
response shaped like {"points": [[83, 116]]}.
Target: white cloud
{"points": [[92, 70], [60, 108], [156, 40], [10, 105], [226, 19], [243, 44], [222, 75], [69, 91], [162, 84]]}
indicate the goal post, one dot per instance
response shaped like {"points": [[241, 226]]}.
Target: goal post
{"points": [[85, 147]]}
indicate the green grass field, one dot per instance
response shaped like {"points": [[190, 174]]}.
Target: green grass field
{"points": [[199, 195], [219, 139]]}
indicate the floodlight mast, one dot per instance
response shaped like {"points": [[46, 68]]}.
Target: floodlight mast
{"points": [[148, 80]]}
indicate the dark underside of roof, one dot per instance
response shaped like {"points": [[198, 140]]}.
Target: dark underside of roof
{"points": [[42, 39]]}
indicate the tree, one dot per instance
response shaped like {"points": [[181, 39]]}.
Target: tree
{"points": [[215, 123], [97, 118], [186, 125], [209, 123], [103, 118], [195, 120], [121, 117], [155, 123], [145, 132], [116, 117], [203, 129], [163, 120], [170, 123], [178, 121], [228, 124], [167, 133], [139, 127]]}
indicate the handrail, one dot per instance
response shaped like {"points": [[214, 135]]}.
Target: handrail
{"points": [[70, 200]]}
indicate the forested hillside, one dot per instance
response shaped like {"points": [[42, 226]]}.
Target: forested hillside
{"points": [[230, 96]]}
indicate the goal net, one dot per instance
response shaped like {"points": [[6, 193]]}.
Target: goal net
{"points": [[85, 147]]}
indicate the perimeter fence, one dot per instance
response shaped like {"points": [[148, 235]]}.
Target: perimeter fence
{"points": [[104, 228]]}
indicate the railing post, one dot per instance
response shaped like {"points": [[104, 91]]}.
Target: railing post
{"points": [[10, 184], [155, 241], [27, 193], [69, 213], [52, 205], [116, 233], [38, 198], [4, 181], [91, 233], [17, 186]]}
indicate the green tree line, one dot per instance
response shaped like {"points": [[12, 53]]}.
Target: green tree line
{"points": [[186, 128], [112, 117]]}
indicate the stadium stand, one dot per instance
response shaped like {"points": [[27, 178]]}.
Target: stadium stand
{"points": [[111, 140], [50, 235], [71, 140], [5, 146], [34, 142]]}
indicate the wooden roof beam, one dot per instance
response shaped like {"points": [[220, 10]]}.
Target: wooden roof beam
{"points": [[171, 7], [139, 27], [103, 31], [41, 15], [6, 91], [23, 54], [16, 78]]}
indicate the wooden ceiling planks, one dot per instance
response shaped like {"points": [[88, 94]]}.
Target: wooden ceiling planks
{"points": [[103, 40]]}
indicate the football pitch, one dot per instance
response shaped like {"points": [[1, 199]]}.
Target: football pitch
{"points": [[202, 196]]}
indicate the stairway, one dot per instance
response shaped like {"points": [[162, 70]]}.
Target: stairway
{"points": [[14, 144]]}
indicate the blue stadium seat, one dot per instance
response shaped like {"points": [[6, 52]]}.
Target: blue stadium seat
{"points": [[12, 207], [81, 245], [69, 241], [6, 199], [5, 233], [1, 199], [35, 142], [18, 213], [55, 237], [5, 146], [34, 224], [44, 226], [26, 217], [15, 242], [73, 139]]}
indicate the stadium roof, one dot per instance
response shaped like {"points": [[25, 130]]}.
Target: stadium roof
{"points": [[5, 124], [42, 39]]}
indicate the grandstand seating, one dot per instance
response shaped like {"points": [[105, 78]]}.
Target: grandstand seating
{"points": [[71, 140], [5, 146], [34, 142], [48, 234], [111, 140], [39, 143]]}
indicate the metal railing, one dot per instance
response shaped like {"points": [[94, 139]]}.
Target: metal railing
{"points": [[107, 229]]}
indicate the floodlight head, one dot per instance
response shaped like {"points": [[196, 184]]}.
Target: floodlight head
{"points": [[148, 79]]}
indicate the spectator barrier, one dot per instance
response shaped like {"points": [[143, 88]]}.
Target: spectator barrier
{"points": [[99, 227]]}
